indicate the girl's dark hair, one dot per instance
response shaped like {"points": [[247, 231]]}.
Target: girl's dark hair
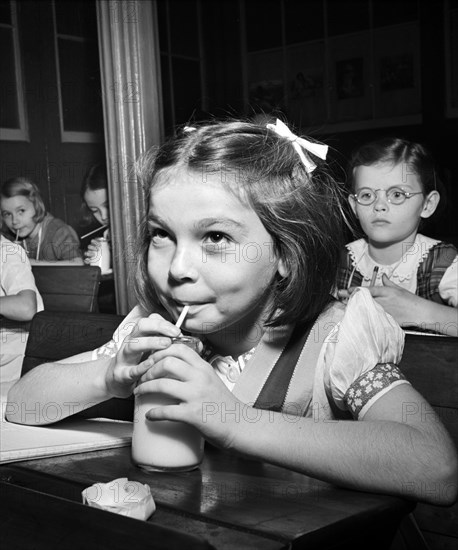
{"points": [[26, 188], [300, 210], [416, 158], [94, 179]]}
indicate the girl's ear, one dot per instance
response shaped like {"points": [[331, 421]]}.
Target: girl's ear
{"points": [[282, 269], [430, 204], [352, 201]]}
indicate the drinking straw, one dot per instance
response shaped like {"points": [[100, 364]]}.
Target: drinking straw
{"points": [[374, 275], [94, 231], [182, 316], [17, 235]]}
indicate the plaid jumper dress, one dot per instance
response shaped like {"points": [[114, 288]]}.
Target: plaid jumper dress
{"points": [[429, 275]]}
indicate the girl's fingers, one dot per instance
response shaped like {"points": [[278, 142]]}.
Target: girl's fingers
{"points": [[180, 351], [168, 368], [147, 344], [169, 412], [137, 371], [156, 324], [167, 386]]}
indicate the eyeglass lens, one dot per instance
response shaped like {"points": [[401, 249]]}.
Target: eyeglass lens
{"points": [[394, 195]]}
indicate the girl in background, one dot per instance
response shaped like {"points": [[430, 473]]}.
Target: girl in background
{"points": [[94, 194], [414, 277], [241, 228], [25, 221], [19, 301]]}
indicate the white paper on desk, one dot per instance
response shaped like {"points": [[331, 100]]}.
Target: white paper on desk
{"points": [[73, 435], [19, 442]]}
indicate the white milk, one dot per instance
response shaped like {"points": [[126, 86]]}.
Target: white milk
{"points": [[102, 257], [163, 445]]}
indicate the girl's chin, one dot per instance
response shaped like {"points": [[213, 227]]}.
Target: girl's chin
{"points": [[21, 234]]}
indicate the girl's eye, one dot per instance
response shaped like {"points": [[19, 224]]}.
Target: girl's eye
{"points": [[156, 234], [217, 238]]}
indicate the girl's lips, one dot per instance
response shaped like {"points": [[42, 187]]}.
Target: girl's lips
{"points": [[180, 305], [192, 306]]}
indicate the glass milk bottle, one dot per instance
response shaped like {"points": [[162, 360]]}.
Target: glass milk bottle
{"points": [[165, 445], [102, 257]]}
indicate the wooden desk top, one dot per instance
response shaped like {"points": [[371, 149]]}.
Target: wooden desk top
{"points": [[228, 503]]}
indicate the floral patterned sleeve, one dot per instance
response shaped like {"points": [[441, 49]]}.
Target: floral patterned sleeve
{"points": [[361, 362]]}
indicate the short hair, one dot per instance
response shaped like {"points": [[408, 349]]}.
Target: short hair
{"points": [[301, 211], [22, 186], [392, 150]]}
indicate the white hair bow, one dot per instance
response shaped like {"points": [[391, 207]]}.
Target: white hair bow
{"points": [[318, 149]]}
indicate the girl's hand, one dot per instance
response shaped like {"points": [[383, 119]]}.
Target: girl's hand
{"points": [[92, 251], [401, 304], [204, 401], [149, 334], [344, 293]]}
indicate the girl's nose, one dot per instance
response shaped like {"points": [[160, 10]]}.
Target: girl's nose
{"points": [[104, 215], [182, 267], [380, 204]]}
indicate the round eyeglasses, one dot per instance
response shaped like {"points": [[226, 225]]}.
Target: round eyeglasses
{"points": [[394, 195]]}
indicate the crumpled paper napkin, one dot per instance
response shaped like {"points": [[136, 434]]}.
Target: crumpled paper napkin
{"points": [[121, 496]]}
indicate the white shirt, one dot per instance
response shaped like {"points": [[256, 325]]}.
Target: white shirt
{"points": [[15, 275]]}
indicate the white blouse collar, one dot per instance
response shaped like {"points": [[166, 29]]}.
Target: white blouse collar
{"points": [[402, 270]]}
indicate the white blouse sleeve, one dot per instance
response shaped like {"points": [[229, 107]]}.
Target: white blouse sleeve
{"points": [[111, 348], [448, 287], [360, 364]]}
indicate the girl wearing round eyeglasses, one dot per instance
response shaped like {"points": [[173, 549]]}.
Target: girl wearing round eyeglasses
{"points": [[414, 277]]}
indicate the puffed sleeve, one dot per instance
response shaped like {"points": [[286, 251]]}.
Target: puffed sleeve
{"points": [[16, 272], [111, 348], [360, 363]]}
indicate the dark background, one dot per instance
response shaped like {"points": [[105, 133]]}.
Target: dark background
{"points": [[207, 52]]}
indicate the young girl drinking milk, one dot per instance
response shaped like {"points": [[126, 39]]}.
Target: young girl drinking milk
{"points": [[242, 227], [45, 239], [415, 278], [94, 194]]}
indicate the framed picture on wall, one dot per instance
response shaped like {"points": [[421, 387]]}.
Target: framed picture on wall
{"points": [[397, 89], [350, 77], [306, 104], [451, 58]]}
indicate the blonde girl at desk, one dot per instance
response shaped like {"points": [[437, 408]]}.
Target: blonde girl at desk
{"points": [[45, 239], [415, 278], [241, 227]]}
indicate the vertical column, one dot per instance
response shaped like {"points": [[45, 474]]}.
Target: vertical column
{"points": [[132, 107]]}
